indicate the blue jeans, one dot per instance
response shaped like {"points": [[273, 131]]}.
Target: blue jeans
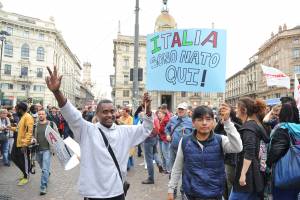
{"points": [[282, 194], [150, 148], [5, 151], [243, 196], [44, 160], [165, 155]]}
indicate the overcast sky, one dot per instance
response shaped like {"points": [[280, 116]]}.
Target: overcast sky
{"points": [[89, 26]]}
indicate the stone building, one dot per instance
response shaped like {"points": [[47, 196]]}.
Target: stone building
{"points": [[281, 51], [31, 46]]}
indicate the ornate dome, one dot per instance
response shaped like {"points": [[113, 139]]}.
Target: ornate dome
{"points": [[164, 22]]}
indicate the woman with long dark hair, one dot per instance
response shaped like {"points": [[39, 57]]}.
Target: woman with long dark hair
{"points": [[248, 183], [279, 146]]}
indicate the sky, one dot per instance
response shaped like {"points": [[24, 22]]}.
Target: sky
{"points": [[89, 26]]}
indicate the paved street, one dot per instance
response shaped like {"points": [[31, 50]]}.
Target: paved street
{"points": [[63, 184]]}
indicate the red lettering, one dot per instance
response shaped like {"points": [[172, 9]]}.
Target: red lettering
{"points": [[275, 75], [213, 34], [52, 138], [176, 40]]}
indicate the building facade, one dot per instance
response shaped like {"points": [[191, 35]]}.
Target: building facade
{"points": [[281, 51], [121, 81], [31, 46]]}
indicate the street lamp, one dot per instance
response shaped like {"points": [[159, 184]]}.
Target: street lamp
{"points": [[3, 35]]}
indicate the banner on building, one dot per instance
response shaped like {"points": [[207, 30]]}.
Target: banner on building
{"points": [[192, 60], [65, 155], [275, 77]]}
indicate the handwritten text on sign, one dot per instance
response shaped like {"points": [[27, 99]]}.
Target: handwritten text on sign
{"points": [[187, 60]]}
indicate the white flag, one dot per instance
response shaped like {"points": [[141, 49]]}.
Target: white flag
{"points": [[275, 77], [297, 91]]}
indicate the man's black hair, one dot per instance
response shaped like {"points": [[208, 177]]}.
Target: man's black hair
{"points": [[201, 111], [102, 102], [22, 106]]}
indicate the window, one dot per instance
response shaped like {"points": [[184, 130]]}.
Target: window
{"points": [[7, 86], [126, 79], [296, 41], [39, 72], [296, 53], [24, 71], [26, 34], [25, 51], [126, 48], [40, 54], [183, 94], [126, 63], [38, 88], [277, 95], [196, 94], [125, 93], [23, 87], [9, 30], [8, 49], [41, 36], [7, 69], [297, 69]]}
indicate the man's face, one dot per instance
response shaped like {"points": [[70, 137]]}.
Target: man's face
{"points": [[3, 114], [54, 111], [42, 115], [181, 112], [204, 125], [106, 114]]}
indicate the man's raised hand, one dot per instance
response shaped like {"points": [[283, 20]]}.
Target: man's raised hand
{"points": [[54, 80]]}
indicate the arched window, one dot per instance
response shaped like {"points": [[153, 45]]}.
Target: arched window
{"points": [[40, 54], [25, 51], [8, 49]]}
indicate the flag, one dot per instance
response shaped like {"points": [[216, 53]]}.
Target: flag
{"points": [[275, 77], [296, 91]]}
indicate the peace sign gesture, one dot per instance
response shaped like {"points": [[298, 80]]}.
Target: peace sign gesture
{"points": [[54, 80]]}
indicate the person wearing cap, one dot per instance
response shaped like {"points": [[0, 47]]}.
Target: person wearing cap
{"points": [[20, 152], [178, 126]]}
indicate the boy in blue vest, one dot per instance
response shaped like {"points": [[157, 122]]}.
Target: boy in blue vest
{"points": [[200, 156]]}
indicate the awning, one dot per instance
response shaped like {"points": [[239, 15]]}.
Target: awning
{"points": [[272, 102]]}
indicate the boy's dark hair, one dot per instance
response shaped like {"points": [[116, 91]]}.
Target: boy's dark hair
{"points": [[201, 111]]}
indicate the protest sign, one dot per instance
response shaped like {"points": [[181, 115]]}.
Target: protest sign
{"points": [[186, 60], [56, 142]]}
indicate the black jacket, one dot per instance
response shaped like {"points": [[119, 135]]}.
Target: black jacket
{"points": [[279, 146], [251, 134]]}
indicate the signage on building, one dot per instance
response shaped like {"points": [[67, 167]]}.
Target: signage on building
{"points": [[192, 60]]}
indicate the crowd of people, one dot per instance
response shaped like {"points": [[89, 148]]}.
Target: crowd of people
{"points": [[235, 153]]}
